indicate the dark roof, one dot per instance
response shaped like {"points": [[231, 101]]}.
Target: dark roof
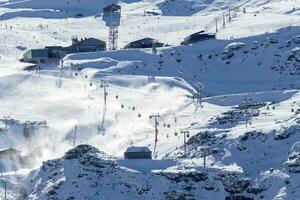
{"points": [[144, 42], [37, 50], [199, 34], [134, 149], [111, 8], [53, 47], [145, 39]]}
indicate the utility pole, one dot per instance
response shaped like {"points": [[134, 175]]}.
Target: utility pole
{"points": [[229, 15], [75, 134], [185, 134], [155, 116], [199, 89], [60, 74], [247, 102], [216, 24], [224, 23], [205, 154], [6, 120], [38, 67], [104, 85], [154, 50], [5, 190]]}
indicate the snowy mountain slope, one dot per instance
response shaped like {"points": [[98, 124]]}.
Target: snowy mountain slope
{"points": [[95, 175], [261, 63], [98, 177]]}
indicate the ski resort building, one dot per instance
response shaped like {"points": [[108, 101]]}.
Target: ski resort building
{"points": [[198, 37], [138, 153], [54, 52], [85, 45], [144, 43], [36, 56], [57, 52]]}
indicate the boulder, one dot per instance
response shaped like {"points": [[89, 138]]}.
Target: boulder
{"points": [[296, 39]]}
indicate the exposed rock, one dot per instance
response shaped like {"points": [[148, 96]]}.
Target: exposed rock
{"points": [[296, 53], [81, 151], [234, 46], [284, 133], [272, 40], [226, 55], [234, 182], [185, 177], [210, 184], [256, 189], [252, 135], [202, 138], [294, 158], [238, 197], [296, 39], [176, 195]]}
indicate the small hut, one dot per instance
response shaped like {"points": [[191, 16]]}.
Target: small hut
{"points": [[138, 153]]}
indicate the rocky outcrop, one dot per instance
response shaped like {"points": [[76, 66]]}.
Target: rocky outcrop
{"points": [[234, 182], [294, 158], [185, 177], [286, 132]]}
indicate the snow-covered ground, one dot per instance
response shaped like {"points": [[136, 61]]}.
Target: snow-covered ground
{"points": [[255, 60]]}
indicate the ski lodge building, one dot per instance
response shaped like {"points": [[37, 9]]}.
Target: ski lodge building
{"points": [[138, 153], [57, 52]]}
